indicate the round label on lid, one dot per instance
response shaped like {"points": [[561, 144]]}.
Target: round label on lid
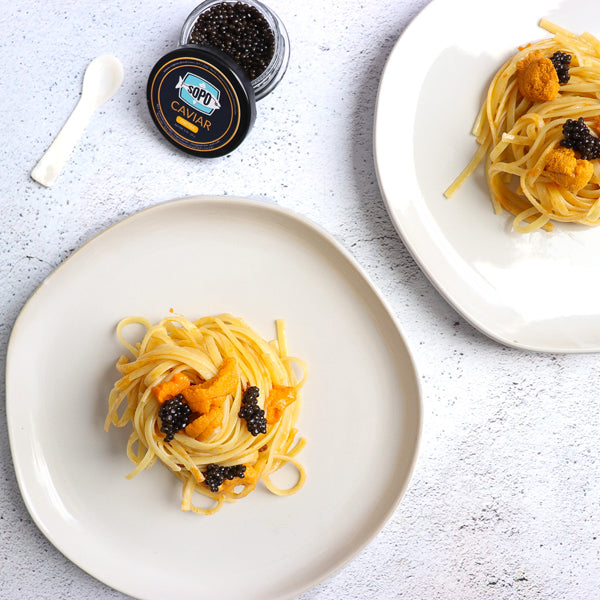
{"points": [[201, 101]]}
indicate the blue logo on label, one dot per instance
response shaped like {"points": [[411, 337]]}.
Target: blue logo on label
{"points": [[198, 93]]}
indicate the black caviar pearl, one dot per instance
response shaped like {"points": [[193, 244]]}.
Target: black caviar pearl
{"points": [[562, 63], [174, 415], [238, 30], [578, 137], [215, 475], [252, 413]]}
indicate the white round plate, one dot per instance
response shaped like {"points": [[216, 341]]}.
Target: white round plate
{"points": [[200, 256], [535, 291]]}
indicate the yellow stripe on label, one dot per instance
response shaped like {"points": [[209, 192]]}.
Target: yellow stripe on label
{"points": [[187, 124]]}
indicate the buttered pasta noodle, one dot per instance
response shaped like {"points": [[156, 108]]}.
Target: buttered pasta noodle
{"points": [[212, 401], [537, 131]]}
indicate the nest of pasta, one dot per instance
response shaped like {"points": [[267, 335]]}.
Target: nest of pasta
{"points": [[214, 402], [538, 133]]}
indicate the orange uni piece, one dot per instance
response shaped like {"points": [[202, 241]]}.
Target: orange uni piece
{"points": [[561, 160], [536, 78], [201, 396], [169, 389], [204, 425], [565, 169], [197, 399], [279, 399]]}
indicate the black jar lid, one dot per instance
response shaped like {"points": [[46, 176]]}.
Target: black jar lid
{"points": [[201, 100]]}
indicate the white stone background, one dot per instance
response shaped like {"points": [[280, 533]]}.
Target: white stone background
{"points": [[504, 499]]}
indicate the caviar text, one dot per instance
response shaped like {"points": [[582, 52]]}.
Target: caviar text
{"points": [[191, 115]]}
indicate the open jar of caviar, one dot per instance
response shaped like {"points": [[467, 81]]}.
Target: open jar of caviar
{"points": [[249, 32], [202, 96]]}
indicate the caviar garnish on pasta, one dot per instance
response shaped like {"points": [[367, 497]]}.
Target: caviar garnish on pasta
{"points": [[538, 133], [561, 62], [214, 402], [252, 413], [576, 135], [174, 416]]}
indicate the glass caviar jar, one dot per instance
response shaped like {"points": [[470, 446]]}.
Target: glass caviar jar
{"points": [[202, 95], [254, 15]]}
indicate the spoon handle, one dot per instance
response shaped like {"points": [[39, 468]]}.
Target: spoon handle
{"points": [[49, 166]]}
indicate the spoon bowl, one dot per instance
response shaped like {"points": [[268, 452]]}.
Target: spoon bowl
{"points": [[102, 78]]}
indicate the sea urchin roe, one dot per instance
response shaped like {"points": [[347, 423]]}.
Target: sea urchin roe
{"points": [[238, 30], [280, 397], [201, 427], [566, 170], [169, 389], [536, 78], [199, 396]]}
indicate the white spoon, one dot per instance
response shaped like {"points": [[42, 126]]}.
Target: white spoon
{"points": [[101, 80]]}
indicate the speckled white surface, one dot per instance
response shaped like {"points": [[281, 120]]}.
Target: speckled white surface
{"points": [[504, 502]]}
